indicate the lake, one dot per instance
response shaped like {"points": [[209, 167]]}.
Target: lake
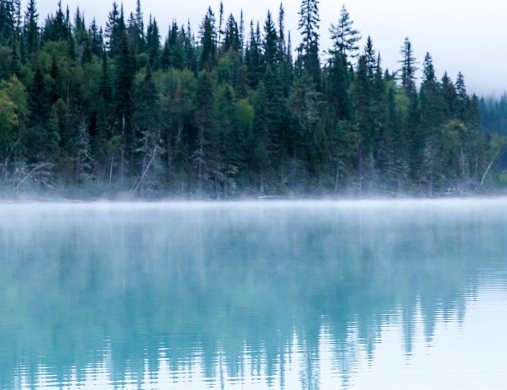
{"points": [[396, 294]]}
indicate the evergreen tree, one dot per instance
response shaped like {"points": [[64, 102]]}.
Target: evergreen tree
{"points": [[231, 36], [42, 132], [113, 29], [408, 69], [253, 57], [408, 79], [337, 87], [270, 43], [309, 49], [449, 96], [99, 150], [208, 36], [135, 30], [57, 28], [124, 97], [427, 140], [146, 121], [8, 23], [462, 99], [82, 39], [345, 37], [153, 44], [31, 29], [362, 106], [204, 158]]}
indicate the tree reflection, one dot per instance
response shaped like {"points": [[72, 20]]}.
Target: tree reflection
{"points": [[228, 292]]}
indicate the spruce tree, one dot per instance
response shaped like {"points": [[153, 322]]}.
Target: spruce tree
{"points": [[153, 44], [31, 29], [96, 39], [231, 36], [270, 43], [113, 27], [204, 158], [362, 106], [208, 37], [345, 37], [309, 49], [253, 57], [146, 122], [427, 141], [124, 97]]}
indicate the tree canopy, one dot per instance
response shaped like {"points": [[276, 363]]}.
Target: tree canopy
{"points": [[229, 111]]}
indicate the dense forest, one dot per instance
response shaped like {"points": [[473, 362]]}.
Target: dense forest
{"points": [[230, 110]]}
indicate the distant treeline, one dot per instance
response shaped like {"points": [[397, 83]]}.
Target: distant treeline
{"points": [[231, 110]]}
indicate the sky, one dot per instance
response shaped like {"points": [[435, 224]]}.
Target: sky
{"points": [[467, 36]]}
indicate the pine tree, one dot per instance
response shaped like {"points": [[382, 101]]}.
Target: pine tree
{"points": [[337, 87], [113, 27], [146, 121], [345, 37], [270, 43], [99, 150], [449, 96], [42, 139], [309, 49], [204, 158], [231, 36], [408, 79], [208, 37], [124, 96], [8, 22], [57, 28], [362, 106], [82, 39], [135, 30], [253, 57], [96, 39], [153, 44], [408, 69], [31, 29], [427, 141], [462, 99]]}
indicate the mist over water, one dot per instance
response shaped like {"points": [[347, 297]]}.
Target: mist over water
{"points": [[248, 295]]}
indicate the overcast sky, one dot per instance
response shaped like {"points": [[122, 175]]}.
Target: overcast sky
{"points": [[461, 35]]}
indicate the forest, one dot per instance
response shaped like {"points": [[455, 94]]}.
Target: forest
{"points": [[231, 110]]}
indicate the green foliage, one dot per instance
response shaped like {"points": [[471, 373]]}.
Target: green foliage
{"points": [[344, 36], [231, 113]]}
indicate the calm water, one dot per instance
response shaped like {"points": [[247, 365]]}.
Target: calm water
{"points": [[326, 295]]}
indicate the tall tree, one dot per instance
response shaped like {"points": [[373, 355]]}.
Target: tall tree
{"points": [[208, 36], [146, 121], [408, 83], [57, 28], [124, 96], [362, 106], [408, 68], [113, 27], [204, 158], [270, 43], [427, 141], [345, 37], [153, 44], [309, 20], [31, 28]]}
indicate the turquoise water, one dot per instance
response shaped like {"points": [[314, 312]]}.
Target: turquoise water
{"points": [[298, 295]]}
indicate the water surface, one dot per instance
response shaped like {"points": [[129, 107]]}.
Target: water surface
{"points": [[297, 295]]}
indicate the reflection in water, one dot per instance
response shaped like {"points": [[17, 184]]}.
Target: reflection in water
{"points": [[248, 295]]}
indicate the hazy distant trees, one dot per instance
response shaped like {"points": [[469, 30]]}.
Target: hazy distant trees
{"points": [[230, 109]]}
